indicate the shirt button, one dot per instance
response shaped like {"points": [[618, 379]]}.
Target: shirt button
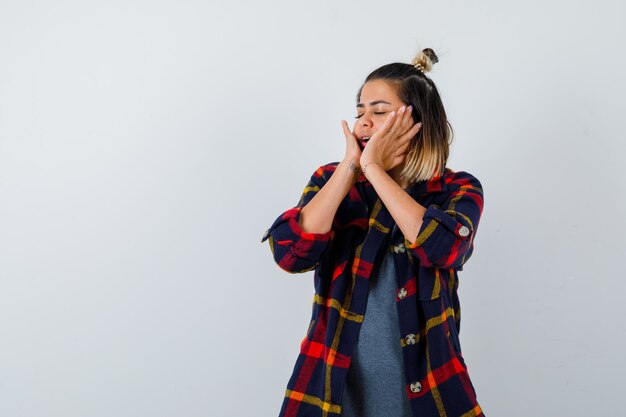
{"points": [[464, 231], [410, 339], [416, 387], [399, 248], [402, 293]]}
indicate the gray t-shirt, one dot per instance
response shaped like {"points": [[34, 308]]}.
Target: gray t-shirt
{"points": [[375, 384]]}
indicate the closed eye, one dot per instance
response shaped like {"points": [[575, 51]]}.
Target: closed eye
{"points": [[376, 112]]}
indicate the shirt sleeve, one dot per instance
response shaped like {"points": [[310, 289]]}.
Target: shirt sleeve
{"points": [[446, 236], [295, 250]]}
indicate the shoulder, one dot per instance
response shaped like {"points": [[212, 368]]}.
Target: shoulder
{"points": [[324, 172], [461, 179]]}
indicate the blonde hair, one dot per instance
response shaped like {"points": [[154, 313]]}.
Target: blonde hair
{"points": [[428, 151], [424, 60]]}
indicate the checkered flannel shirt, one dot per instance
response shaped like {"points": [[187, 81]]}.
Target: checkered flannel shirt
{"points": [[436, 378]]}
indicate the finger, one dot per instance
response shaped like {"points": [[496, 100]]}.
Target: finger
{"points": [[402, 148], [351, 143], [413, 130], [405, 139], [346, 129], [401, 144], [407, 120], [397, 123], [387, 123]]}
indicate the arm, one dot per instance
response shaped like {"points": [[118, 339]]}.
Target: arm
{"points": [[319, 213], [317, 216], [386, 150], [300, 236], [440, 237], [407, 212], [446, 235]]}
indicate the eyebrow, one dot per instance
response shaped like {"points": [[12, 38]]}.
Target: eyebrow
{"points": [[373, 103]]}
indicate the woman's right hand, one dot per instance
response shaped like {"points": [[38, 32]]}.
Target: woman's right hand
{"points": [[353, 150], [318, 214]]}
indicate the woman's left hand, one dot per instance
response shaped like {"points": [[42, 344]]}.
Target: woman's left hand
{"points": [[388, 146]]}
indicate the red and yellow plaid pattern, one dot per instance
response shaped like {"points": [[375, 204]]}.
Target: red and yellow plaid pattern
{"points": [[437, 381]]}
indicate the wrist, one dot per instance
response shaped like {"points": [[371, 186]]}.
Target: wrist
{"points": [[356, 160], [369, 164], [352, 166]]}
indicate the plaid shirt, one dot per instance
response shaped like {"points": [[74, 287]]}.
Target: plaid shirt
{"points": [[436, 377]]}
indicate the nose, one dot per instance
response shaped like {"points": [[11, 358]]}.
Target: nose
{"points": [[365, 121]]}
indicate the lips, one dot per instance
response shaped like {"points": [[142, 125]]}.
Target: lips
{"points": [[363, 141]]}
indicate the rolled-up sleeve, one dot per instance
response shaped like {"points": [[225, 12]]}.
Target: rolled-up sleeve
{"points": [[295, 250], [446, 236]]}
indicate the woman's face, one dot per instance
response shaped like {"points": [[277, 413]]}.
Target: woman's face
{"points": [[378, 99]]}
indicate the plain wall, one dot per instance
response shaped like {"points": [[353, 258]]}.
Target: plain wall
{"points": [[146, 146]]}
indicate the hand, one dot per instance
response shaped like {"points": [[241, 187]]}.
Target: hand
{"points": [[353, 150], [388, 146]]}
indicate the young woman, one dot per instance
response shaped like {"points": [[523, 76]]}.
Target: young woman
{"points": [[386, 231]]}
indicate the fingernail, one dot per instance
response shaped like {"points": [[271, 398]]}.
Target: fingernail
{"points": [[410, 108], [393, 113], [402, 109]]}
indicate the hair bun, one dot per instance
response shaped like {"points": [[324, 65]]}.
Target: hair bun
{"points": [[425, 60]]}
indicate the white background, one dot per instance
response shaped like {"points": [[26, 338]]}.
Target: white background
{"points": [[146, 146]]}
